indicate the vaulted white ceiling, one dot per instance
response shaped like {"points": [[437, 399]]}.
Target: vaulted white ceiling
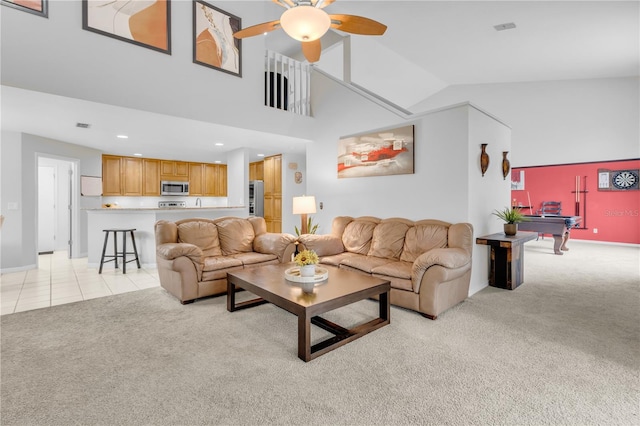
{"points": [[429, 45]]}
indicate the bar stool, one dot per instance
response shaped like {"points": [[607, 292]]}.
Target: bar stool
{"points": [[116, 254]]}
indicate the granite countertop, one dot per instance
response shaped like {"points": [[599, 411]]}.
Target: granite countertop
{"points": [[137, 209]]}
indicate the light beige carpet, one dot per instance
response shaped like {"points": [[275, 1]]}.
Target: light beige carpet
{"points": [[563, 349]]}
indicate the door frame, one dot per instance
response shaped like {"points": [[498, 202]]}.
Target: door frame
{"points": [[74, 187]]}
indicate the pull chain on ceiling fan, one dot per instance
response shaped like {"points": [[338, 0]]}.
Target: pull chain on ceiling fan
{"points": [[305, 21]]}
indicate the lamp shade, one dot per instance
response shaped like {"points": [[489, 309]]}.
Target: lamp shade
{"points": [[304, 204], [305, 23]]}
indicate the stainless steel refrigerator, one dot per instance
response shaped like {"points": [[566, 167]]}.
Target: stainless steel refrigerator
{"points": [[256, 198]]}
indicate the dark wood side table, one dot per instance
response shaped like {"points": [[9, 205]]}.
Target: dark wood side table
{"points": [[507, 258]]}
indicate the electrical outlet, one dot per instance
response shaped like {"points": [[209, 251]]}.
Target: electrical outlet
{"points": [[595, 230]]}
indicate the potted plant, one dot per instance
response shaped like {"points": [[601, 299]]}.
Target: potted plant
{"points": [[307, 260], [511, 216]]}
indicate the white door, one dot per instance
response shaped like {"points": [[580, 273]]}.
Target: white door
{"points": [[46, 209]]}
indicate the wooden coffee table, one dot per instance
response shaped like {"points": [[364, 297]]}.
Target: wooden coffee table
{"points": [[342, 288]]}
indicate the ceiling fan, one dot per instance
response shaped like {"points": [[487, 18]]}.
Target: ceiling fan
{"points": [[304, 20]]}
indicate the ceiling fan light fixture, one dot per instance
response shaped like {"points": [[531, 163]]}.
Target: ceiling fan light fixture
{"points": [[305, 23]]}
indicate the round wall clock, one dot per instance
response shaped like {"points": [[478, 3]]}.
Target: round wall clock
{"points": [[625, 179]]}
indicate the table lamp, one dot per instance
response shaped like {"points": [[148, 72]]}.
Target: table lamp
{"points": [[303, 206]]}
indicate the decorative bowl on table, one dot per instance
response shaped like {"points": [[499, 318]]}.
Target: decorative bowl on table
{"points": [[306, 283]]}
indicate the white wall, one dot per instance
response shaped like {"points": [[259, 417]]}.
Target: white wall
{"points": [[57, 56], [447, 184], [19, 185], [11, 203], [292, 189], [559, 122]]}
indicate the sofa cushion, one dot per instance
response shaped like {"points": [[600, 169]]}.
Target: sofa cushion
{"points": [[422, 238], [357, 236], [364, 263], [388, 239], [236, 236], [253, 258], [216, 263], [335, 260], [398, 269], [200, 234]]}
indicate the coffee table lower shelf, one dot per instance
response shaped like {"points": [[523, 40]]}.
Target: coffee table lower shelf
{"points": [[309, 313]]}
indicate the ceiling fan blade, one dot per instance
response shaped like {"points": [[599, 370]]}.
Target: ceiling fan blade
{"points": [[312, 50], [255, 30], [284, 3], [323, 4], [357, 25]]}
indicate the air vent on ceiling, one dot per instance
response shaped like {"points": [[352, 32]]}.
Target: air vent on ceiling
{"points": [[83, 125], [507, 26]]}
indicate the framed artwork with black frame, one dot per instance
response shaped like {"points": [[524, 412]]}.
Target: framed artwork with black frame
{"points": [[37, 7], [213, 43], [141, 22]]}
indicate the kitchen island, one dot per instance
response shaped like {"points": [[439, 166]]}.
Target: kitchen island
{"points": [[143, 220]]}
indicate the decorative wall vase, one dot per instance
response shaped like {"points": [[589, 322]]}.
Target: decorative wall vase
{"points": [[506, 165], [484, 159], [510, 229]]}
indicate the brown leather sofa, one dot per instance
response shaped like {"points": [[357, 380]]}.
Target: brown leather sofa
{"points": [[194, 255], [428, 262]]}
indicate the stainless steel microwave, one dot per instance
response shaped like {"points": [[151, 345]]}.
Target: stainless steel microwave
{"points": [[174, 188]]}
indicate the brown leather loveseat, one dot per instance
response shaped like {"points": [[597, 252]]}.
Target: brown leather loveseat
{"points": [[194, 255], [428, 262]]}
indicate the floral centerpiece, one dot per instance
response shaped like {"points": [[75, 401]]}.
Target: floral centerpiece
{"points": [[307, 260]]}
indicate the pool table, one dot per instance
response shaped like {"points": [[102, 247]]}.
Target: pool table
{"points": [[558, 226]]}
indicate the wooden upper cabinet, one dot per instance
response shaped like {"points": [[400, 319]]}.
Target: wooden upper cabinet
{"points": [[111, 175], [210, 180], [222, 180], [256, 170], [132, 176], [174, 170], [150, 177], [142, 176], [196, 184]]}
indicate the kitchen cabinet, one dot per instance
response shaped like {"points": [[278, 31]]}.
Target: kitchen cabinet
{"points": [[273, 193], [111, 175], [174, 170], [196, 179], [215, 180], [131, 176], [150, 177], [221, 188], [122, 175], [256, 170]]}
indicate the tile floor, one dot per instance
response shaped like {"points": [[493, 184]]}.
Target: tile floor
{"points": [[60, 280]]}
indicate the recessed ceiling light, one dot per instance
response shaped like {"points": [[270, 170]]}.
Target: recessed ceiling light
{"points": [[219, 144], [260, 155], [137, 155], [122, 137], [83, 125], [217, 161]]}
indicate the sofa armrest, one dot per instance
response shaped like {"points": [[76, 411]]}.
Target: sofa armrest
{"points": [[274, 243], [451, 258], [170, 251], [323, 245]]}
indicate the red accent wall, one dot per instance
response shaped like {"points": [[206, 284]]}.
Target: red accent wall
{"points": [[614, 214]]}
